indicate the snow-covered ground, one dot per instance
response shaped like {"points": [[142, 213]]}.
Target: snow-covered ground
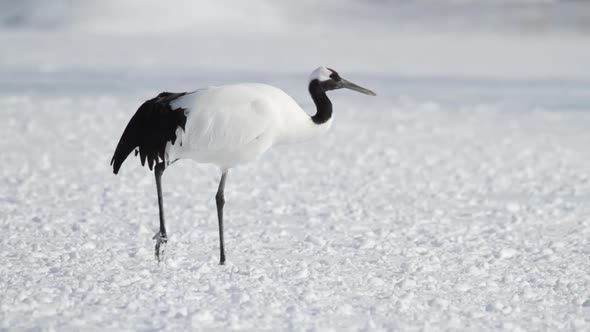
{"points": [[458, 199], [410, 214]]}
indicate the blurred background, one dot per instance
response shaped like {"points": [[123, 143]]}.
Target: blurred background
{"points": [[116, 43]]}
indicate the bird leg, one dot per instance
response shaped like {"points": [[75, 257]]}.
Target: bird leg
{"points": [[220, 200], [160, 237]]}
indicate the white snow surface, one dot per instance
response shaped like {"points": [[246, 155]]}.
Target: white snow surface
{"points": [[414, 213]]}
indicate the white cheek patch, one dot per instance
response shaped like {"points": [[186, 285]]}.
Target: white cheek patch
{"points": [[321, 74]]}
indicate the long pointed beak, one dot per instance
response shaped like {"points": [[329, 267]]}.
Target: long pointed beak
{"points": [[349, 85]]}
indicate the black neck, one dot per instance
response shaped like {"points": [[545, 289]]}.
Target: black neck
{"points": [[322, 103]]}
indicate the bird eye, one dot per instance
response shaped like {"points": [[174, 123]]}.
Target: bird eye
{"points": [[335, 76]]}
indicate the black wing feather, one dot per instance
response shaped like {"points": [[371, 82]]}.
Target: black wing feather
{"points": [[149, 130]]}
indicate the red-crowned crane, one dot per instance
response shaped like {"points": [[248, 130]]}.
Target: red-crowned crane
{"points": [[225, 126]]}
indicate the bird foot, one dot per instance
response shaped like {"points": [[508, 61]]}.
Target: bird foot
{"points": [[161, 241]]}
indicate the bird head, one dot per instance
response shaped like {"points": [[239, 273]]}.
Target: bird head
{"points": [[328, 79]]}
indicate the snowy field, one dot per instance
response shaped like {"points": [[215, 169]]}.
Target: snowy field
{"points": [[458, 199], [410, 214]]}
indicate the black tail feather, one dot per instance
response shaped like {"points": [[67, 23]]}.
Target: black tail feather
{"points": [[149, 130]]}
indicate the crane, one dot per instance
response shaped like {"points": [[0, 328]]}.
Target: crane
{"points": [[225, 126]]}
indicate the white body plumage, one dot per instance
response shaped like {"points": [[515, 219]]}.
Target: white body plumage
{"points": [[232, 124]]}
